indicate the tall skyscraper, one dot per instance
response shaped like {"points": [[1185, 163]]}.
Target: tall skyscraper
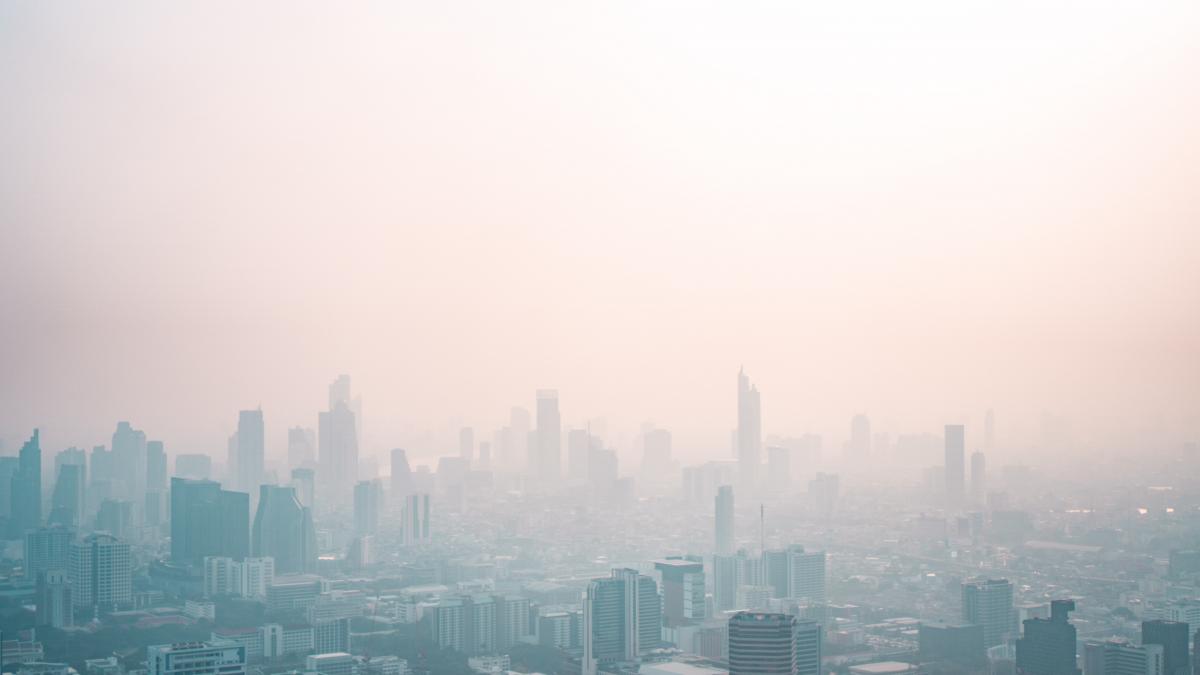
{"points": [[283, 530], [26, 488], [682, 590], [54, 605], [549, 436], [368, 501], [207, 521], [978, 478], [68, 503], [339, 392], [806, 575], [338, 448], [1172, 636], [156, 466], [401, 476], [304, 480], [731, 572], [129, 463], [1048, 645], [251, 433], [301, 447], [196, 658], [724, 541], [749, 432], [47, 548], [860, 437], [622, 618], [416, 519], [955, 463], [101, 572], [762, 643], [990, 604]]}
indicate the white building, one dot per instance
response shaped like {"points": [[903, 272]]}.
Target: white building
{"points": [[196, 658]]}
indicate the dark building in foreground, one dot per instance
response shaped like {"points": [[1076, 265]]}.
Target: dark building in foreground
{"points": [[1048, 645], [207, 521], [283, 530], [955, 645], [762, 643], [1173, 637]]}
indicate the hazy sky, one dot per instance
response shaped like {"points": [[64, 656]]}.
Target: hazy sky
{"points": [[916, 210]]}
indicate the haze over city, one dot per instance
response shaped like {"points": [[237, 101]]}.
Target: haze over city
{"points": [[584, 297]]}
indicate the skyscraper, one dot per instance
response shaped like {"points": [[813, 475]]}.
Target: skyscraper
{"points": [[101, 572], [1048, 645], [338, 448], [156, 466], [416, 519], [248, 471], [207, 521], [549, 436], [128, 463], [54, 606], [26, 490], [69, 500], [368, 501], [47, 548], [283, 530], [724, 538], [806, 575], [304, 481], [1172, 636], [301, 452], [762, 643], [749, 432], [622, 618], [682, 590], [401, 476], [989, 604], [339, 392], [955, 463]]}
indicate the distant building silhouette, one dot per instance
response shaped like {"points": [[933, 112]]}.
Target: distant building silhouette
{"points": [[749, 432], [283, 530], [26, 488], [548, 465], [990, 604], [724, 534], [955, 464], [1048, 645], [207, 521]]}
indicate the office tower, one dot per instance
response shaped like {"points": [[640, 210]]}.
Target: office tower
{"points": [[332, 663], [1121, 657], [416, 519], [1172, 636], [776, 572], [301, 450], [513, 620], [682, 590], [69, 502], [207, 521], [198, 467], [779, 469], [54, 607], [952, 646], [101, 572], [954, 464], [466, 444], [304, 480], [860, 437], [368, 501], [128, 462], [978, 478], [249, 578], [1195, 653], [156, 466], [622, 619], [339, 392], [401, 476], [26, 488], [115, 516], [70, 457], [247, 472], [196, 658], [989, 604], [1048, 644], [466, 624], [47, 548], [762, 643], [8, 469], [579, 445], [749, 432], [549, 436], [806, 575], [283, 530], [724, 539], [338, 448], [731, 572], [823, 493]]}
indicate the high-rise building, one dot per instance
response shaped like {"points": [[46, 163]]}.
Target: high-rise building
{"points": [[682, 590], [723, 505], [196, 658], [860, 437], [128, 462], [731, 572], [955, 463], [46, 549], [549, 436], [762, 643], [207, 521], [749, 432], [54, 607], [1048, 644], [331, 663], [68, 504], [249, 578], [416, 519], [304, 480], [115, 516], [990, 604], [401, 476], [466, 444], [101, 572], [247, 472], [283, 530], [301, 447], [156, 466], [339, 392], [952, 646], [466, 624], [26, 488], [338, 448], [513, 620], [1121, 657], [1172, 636], [368, 501], [622, 618], [978, 478], [806, 575]]}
